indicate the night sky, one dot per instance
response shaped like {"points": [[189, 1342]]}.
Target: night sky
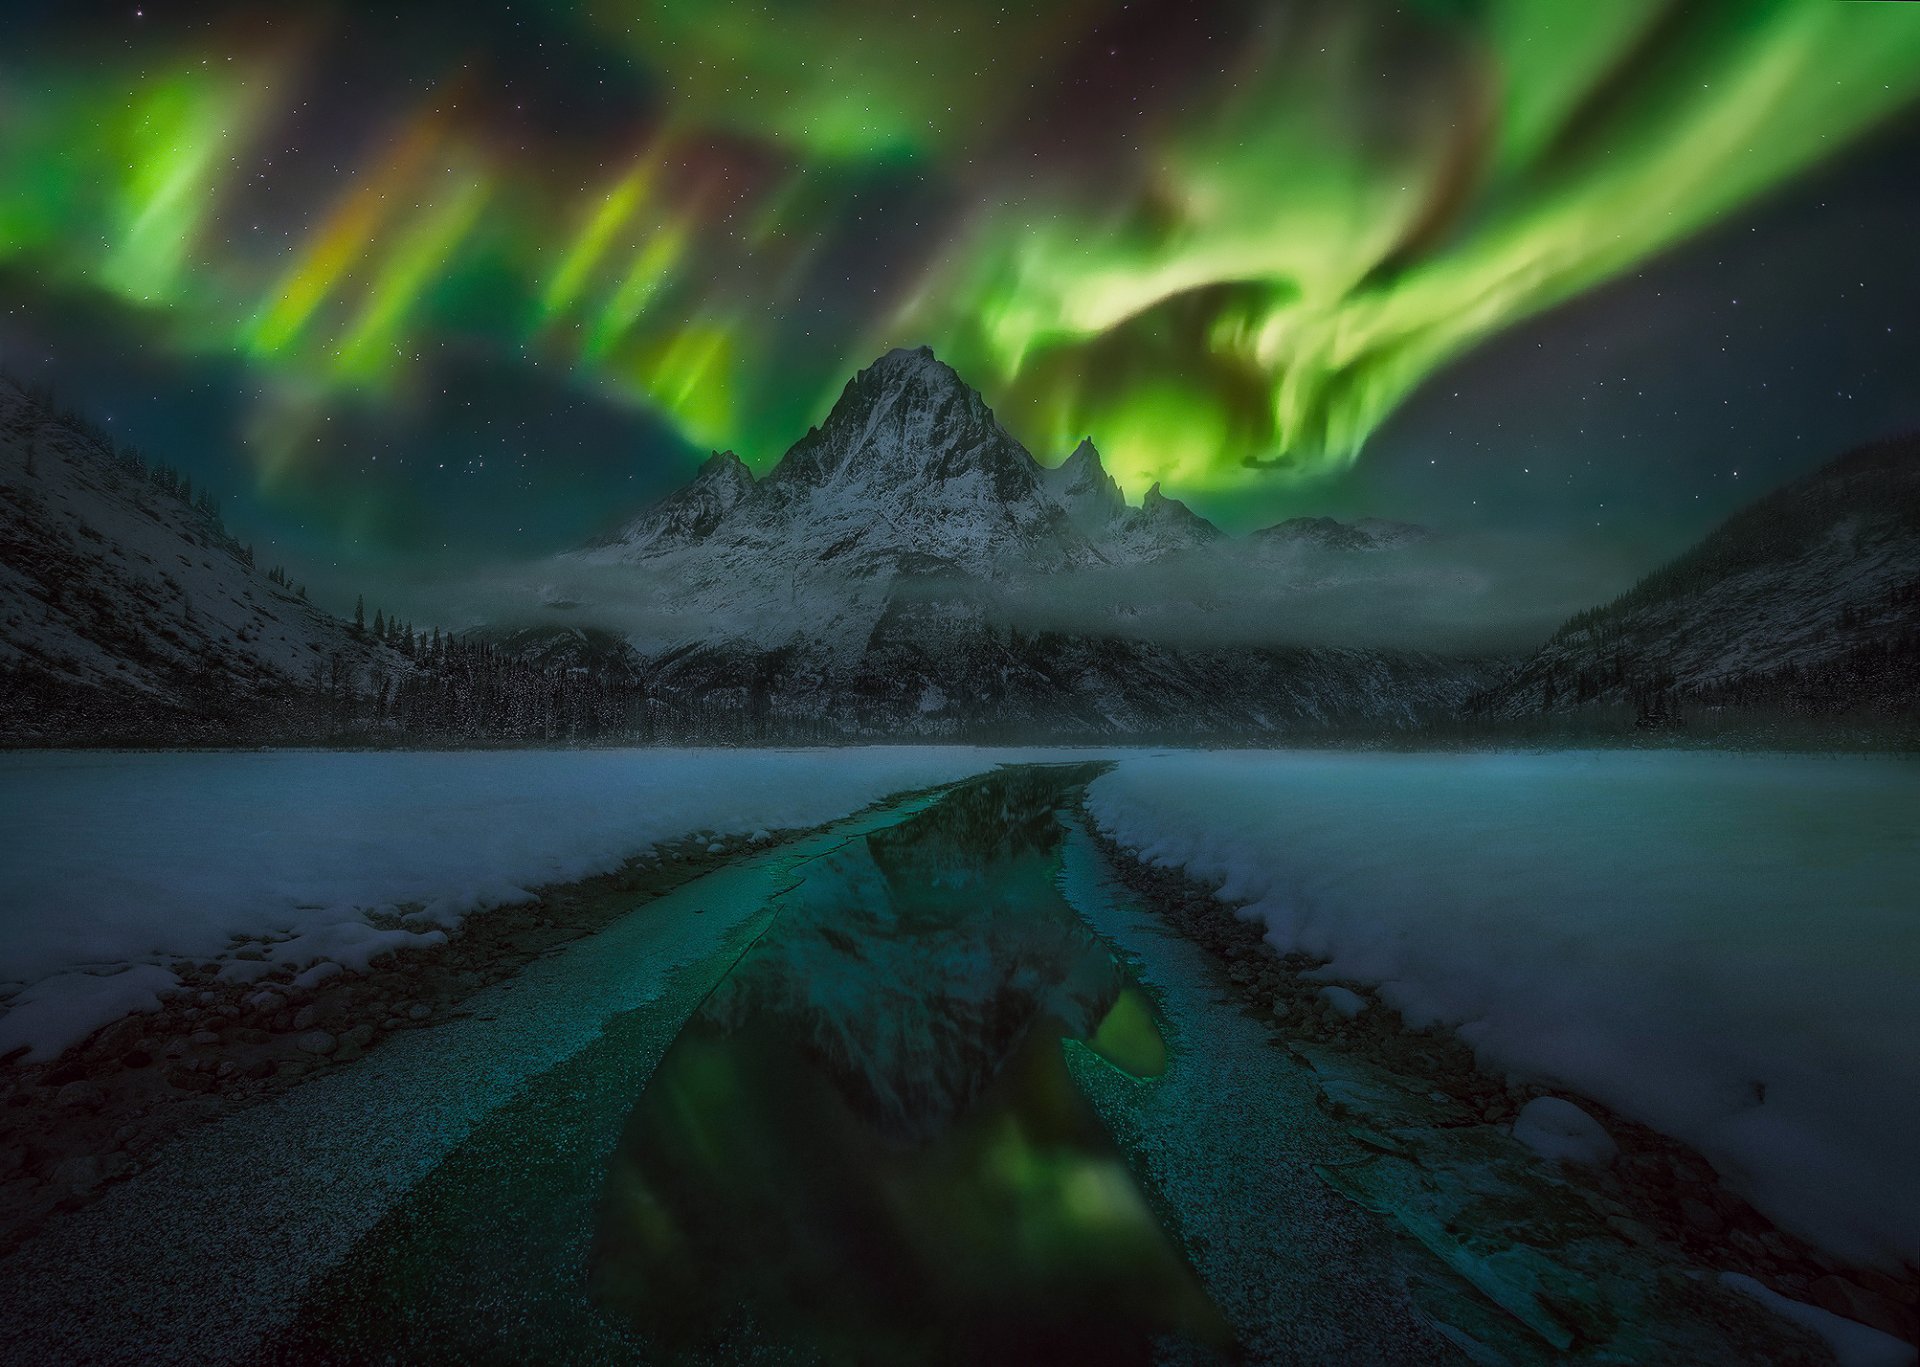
{"points": [[432, 284]]}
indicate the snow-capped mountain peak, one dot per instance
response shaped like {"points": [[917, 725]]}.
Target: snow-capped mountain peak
{"points": [[1091, 496], [909, 486], [1162, 526], [909, 421]]}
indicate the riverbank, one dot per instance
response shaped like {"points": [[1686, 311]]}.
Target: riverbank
{"points": [[91, 1117], [1652, 1191]]}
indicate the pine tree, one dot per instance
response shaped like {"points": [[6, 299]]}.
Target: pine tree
{"points": [[379, 625], [360, 614]]}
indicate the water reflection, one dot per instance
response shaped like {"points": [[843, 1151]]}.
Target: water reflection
{"points": [[866, 1142]]}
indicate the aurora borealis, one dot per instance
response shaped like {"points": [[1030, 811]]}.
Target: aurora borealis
{"points": [[1228, 241]]}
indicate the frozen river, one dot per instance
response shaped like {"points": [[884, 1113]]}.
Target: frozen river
{"points": [[1726, 947]]}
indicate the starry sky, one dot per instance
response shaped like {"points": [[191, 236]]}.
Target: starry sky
{"points": [[417, 285]]}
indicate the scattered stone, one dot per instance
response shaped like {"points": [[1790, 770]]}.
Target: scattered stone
{"points": [[1554, 1127], [1907, 1293], [316, 1042], [306, 1017], [1702, 1218], [80, 1174], [203, 1037], [81, 1095], [1633, 1231], [419, 1011], [187, 1080]]}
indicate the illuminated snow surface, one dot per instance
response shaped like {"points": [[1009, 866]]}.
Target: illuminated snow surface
{"points": [[1721, 946], [119, 859]]}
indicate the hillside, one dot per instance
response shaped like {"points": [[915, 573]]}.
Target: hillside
{"points": [[1807, 599], [127, 609]]}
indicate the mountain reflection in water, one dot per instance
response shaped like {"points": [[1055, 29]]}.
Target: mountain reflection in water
{"points": [[866, 1141]]}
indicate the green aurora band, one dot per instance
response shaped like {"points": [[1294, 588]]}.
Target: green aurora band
{"points": [[1239, 284]]}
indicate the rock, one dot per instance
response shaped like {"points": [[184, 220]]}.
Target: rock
{"points": [[1855, 1302], [135, 1058], [1633, 1231], [1777, 1248], [419, 1011], [1645, 1170], [316, 1042], [83, 1172], [1554, 1127], [81, 1095], [359, 1037], [203, 1037], [306, 1017], [258, 1069], [1881, 1284], [1280, 1009], [187, 1080], [1702, 1218]]}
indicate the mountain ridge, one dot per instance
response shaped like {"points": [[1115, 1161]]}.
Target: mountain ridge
{"points": [[126, 606], [1808, 598]]}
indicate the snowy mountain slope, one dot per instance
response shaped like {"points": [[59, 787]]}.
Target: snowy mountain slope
{"points": [[1082, 486], [122, 601], [909, 478], [690, 513], [911, 466], [1808, 597], [910, 475], [1159, 527], [883, 568]]}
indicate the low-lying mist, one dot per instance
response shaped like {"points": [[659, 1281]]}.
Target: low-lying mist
{"points": [[1471, 594]]}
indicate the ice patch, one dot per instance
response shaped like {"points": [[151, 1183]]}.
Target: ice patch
{"points": [[1344, 1000]]}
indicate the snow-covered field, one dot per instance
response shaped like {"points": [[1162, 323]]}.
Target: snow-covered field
{"points": [[1724, 947], [142, 859]]}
